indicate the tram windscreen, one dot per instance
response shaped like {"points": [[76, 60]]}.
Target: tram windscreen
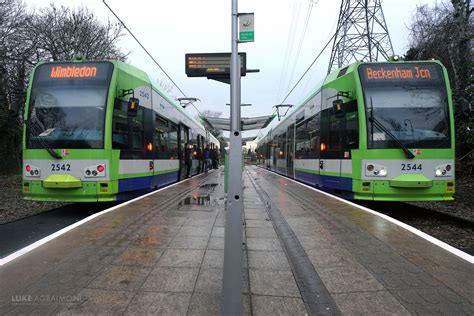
{"points": [[410, 100], [67, 105]]}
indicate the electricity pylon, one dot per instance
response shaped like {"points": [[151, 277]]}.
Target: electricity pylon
{"points": [[361, 34]]}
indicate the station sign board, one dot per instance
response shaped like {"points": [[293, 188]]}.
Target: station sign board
{"points": [[246, 27], [212, 64]]}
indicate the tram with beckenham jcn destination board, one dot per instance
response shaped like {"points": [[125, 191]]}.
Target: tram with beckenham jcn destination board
{"points": [[372, 131]]}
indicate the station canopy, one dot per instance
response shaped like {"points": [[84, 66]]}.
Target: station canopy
{"points": [[247, 123]]}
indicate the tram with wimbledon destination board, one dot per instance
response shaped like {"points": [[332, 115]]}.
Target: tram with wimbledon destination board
{"points": [[101, 131]]}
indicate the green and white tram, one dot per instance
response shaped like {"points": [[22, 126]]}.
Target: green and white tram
{"points": [[371, 131], [101, 131]]}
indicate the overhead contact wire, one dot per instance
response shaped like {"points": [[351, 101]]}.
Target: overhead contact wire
{"points": [[289, 45], [300, 44], [148, 53], [309, 67]]}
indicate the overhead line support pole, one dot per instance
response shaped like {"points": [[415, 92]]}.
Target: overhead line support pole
{"points": [[232, 278]]}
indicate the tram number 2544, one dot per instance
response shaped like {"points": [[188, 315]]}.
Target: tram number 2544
{"points": [[411, 166], [60, 167]]}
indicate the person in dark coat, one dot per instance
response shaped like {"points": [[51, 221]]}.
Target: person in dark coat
{"points": [[215, 158], [188, 159], [205, 156]]}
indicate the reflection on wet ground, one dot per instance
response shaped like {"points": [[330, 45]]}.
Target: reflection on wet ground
{"points": [[209, 185], [196, 200]]}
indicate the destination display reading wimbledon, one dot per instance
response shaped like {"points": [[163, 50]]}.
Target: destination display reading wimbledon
{"points": [[64, 71], [400, 72]]}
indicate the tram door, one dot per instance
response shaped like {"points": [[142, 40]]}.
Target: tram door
{"points": [[183, 140], [290, 146]]}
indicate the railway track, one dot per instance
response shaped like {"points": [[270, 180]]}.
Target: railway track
{"points": [[25, 231]]}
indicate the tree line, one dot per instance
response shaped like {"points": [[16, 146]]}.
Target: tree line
{"points": [[49, 34], [444, 32]]}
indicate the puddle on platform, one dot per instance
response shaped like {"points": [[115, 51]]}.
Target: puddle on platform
{"points": [[196, 200], [209, 185]]}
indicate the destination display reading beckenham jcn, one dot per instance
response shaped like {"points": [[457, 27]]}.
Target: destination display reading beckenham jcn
{"points": [[396, 72]]}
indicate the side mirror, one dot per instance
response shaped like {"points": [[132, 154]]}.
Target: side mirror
{"points": [[338, 109], [132, 107]]}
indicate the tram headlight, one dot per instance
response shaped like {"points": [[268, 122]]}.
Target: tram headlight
{"points": [[374, 170], [32, 171], [444, 170], [96, 171]]}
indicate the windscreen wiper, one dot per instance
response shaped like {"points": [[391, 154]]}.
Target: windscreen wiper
{"points": [[34, 123], [382, 128]]}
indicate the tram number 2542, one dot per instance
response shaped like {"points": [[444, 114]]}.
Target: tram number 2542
{"points": [[60, 167], [411, 166]]}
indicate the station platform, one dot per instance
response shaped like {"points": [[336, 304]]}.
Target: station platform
{"points": [[304, 253]]}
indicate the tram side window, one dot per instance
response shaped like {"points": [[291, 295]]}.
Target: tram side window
{"points": [[281, 146], [160, 137], [307, 138], [173, 141], [274, 149], [313, 127]]}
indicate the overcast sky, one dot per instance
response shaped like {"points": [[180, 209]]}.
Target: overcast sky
{"points": [[170, 29]]}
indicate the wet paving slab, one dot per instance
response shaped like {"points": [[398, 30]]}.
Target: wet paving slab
{"points": [[165, 255], [162, 254], [368, 265]]}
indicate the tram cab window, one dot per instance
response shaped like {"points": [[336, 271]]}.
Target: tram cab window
{"points": [[352, 125], [128, 133], [138, 136], [336, 131], [340, 133], [120, 125]]}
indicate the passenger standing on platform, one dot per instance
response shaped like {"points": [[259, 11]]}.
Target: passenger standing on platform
{"points": [[195, 156], [199, 156], [214, 158], [205, 155], [188, 159]]}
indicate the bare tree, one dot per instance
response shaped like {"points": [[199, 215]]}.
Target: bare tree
{"points": [[210, 113], [445, 32], [166, 85], [63, 33], [49, 34], [15, 47]]}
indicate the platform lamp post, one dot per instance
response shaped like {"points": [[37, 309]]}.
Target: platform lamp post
{"points": [[232, 278]]}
